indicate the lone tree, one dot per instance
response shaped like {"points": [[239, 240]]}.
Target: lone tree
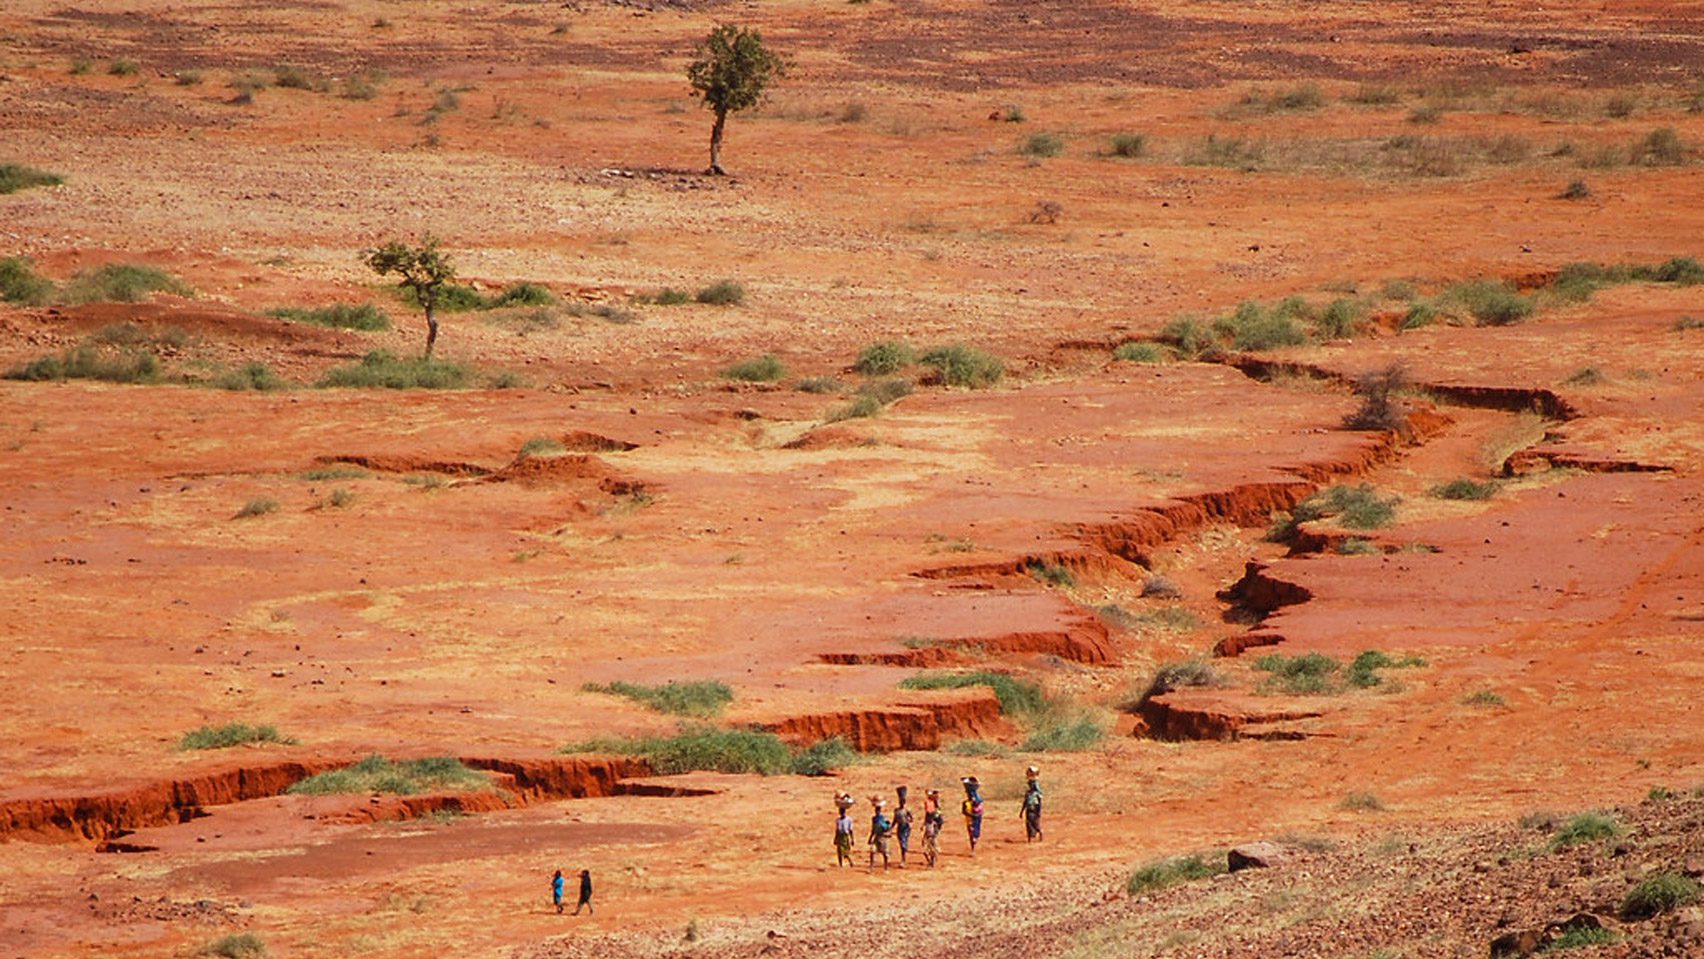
{"points": [[731, 71], [421, 270]]}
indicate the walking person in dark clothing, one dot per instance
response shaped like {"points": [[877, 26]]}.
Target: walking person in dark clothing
{"points": [[902, 827], [556, 885], [1032, 805], [585, 893], [972, 809]]}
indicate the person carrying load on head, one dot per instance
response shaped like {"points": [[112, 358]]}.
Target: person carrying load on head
{"points": [[902, 820], [972, 810], [932, 823], [1032, 805], [843, 829], [881, 827]]}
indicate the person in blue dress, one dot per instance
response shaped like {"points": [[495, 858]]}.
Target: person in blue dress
{"points": [[556, 885]]}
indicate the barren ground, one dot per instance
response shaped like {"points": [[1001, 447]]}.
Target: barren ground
{"points": [[437, 593]]}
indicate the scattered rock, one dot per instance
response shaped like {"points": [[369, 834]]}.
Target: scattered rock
{"points": [[1257, 855]]}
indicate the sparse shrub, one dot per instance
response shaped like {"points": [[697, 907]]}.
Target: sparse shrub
{"points": [[380, 369], [1585, 827], [1172, 618], [1065, 733], [1426, 156], [123, 67], [340, 498], [1491, 302], [16, 176], [187, 78], [361, 86], [1375, 95], [1053, 574], [886, 391], [1018, 698], [1159, 587], [668, 296], [1189, 336], [1310, 674], [237, 945], [1238, 153], [1580, 937], [888, 356], [250, 376], [1129, 145], [700, 747], [1507, 148], [1463, 488], [257, 507], [1426, 114], [722, 293], [1042, 145], [1680, 270], [91, 362], [376, 774], [960, 365], [122, 283], [1688, 323], [819, 385], [523, 294], [1299, 98], [19, 282], [1418, 315], [231, 734], [1660, 893], [1340, 320], [338, 472], [1584, 376], [1575, 190], [1198, 673], [823, 757], [452, 298], [542, 446], [1363, 669], [1484, 698], [762, 369], [346, 316], [1012, 113], [860, 407], [1380, 409], [1163, 873], [1137, 351], [80, 66], [1362, 802], [1256, 329], [291, 77], [1660, 147], [1356, 546], [694, 698]]}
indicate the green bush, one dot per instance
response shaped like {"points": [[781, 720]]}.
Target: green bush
{"points": [[1463, 488], [1018, 698], [823, 757], [886, 391], [701, 748], [1042, 145], [90, 362], [123, 283], [1137, 351], [1490, 302], [861, 407], [258, 507], [452, 298], [376, 774], [1065, 733], [1356, 546], [19, 282], [1340, 320], [16, 176], [1190, 336], [1238, 153], [888, 356], [123, 67], [1418, 315], [1363, 670], [1163, 873], [1681, 270], [1053, 574], [1663, 892], [1310, 674], [382, 370], [1485, 698], [695, 698], [1585, 827], [1129, 145], [231, 734], [763, 369], [237, 945], [250, 376], [1356, 507], [524, 294], [722, 293], [326, 473], [960, 365], [1579, 937], [347, 316], [1255, 328], [542, 446]]}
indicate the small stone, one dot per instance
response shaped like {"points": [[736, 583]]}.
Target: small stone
{"points": [[1257, 855], [1522, 943]]}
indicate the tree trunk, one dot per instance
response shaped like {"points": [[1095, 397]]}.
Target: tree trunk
{"points": [[431, 331], [716, 143]]}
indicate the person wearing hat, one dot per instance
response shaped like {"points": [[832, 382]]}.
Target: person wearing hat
{"points": [[902, 827], [932, 823], [1031, 811], [843, 829], [880, 829], [972, 809]]}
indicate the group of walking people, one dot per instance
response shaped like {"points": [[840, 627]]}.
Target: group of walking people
{"points": [[885, 829]]}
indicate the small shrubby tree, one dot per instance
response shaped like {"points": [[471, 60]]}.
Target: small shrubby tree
{"points": [[729, 74], [422, 270]]}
